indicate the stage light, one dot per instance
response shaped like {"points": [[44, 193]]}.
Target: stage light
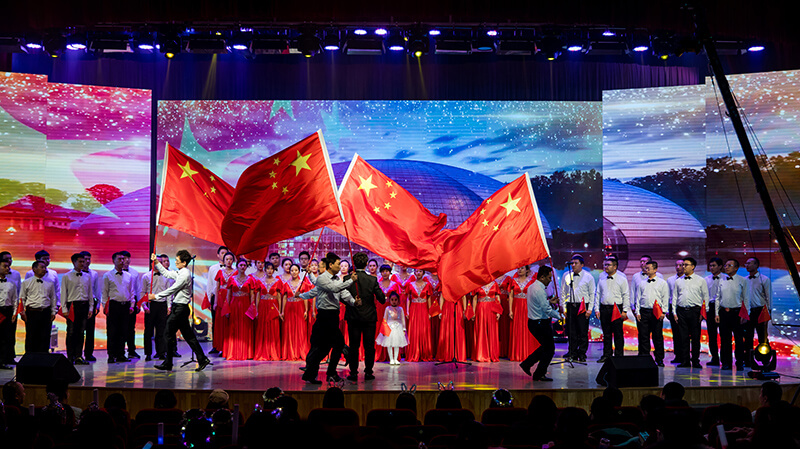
{"points": [[381, 31], [609, 33], [640, 48], [274, 45], [765, 360], [239, 47], [575, 48], [169, 43], [169, 55], [434, 32], [550, 46], [54, 45], [452, 47], [331, 42], [76, 42], [34, 46], [492, 33], [359, 31], [754, 48], [110, 43], [308, 43], [241, 40], [207, 45], [396, 41], [418, 41], [13, 45], [146, 46], [484, 44]]}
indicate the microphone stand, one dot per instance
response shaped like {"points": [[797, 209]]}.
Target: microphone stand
{"points": [[570, 360], [455, 360]]}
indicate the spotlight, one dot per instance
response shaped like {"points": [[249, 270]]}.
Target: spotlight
{"points": [[208, 44], [169, 55], [640, 48], [516, 47], [609, 33], [308, 43], [13, 45], [765, 360], [111, 43], [76, 42], [145, 46], [418, 42], [754, 48], [550, 47], [434, 32], [170, 44], [574, 48], [381, 31], [331, 42], [484, 44], [664, 46], [640, 44], [54, 45], [396, 41], [241, 41], [359, 32], [270, 45], [492, 33], [33, 46]]}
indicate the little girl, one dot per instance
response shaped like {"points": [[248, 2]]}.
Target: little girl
{"points": [[395, 317]]}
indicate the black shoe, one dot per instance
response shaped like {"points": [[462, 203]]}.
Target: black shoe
{"points": [[676, 360], [214, 351], [163, 367], [134, 355], [159, 357], [726, 368], [112, 360], [714, 362], [369, 377], [303, 368], [526, 369], [147, 358], [542, 378], [5, 367], [176, 355], [334, 378], [582, 358], [123, 359], [90, 358], [80, 361], [602, 359], [697, 365], [313, 381], [201, 365], [660, 363], [684, 365], [352, 378]]}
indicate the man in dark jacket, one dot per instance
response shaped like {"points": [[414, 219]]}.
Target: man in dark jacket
{"points": [[361, 319]]}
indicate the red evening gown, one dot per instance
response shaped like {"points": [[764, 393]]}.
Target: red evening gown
{"points": [[381, 355], [268, 324], [295, 329], [220, 320], [239, 345], [451, 327], [487, 345], [520, 343], [436, 298], [469, 326], [504, 325], [420, 345]]}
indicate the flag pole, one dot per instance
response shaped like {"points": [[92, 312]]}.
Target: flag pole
{"points": [[350, 247]]}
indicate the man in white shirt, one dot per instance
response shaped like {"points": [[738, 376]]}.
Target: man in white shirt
{"points": [[130, 330], [178, 319], [155, 311], [540, 316], [77, 301], [732, 291], [689, 294], [8, 309], [14, 277], [275, 260], [676, 330], [651, 292], [759, 295], [51, 275], [39, 302], [713, 280], [119, 296], [97, 293], [211, 287], [640, 277], [612, 290], [577, 285]]}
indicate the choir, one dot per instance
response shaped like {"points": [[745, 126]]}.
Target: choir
{"points": [[258, 312]]}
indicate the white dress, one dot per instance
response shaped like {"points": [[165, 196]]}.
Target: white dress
{"points": [[396, 319]]}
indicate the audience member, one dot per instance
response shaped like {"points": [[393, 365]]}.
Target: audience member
{"points": [[614, 395], [672, 394], [334, 398], [448, 399], [217, 399], [602, 411], [501, 398], [14, 395], [165, 399], [572, 428], [406, 401]]}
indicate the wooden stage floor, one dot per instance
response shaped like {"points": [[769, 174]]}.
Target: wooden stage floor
{"points": [[246, 380]]}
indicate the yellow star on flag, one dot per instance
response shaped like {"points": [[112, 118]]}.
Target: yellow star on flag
{"points": [[393, 194], [274, 185], [276, 161], [495, 227], [387, 205], [366, 184], [388, 183], [300, 163], [285, 190], [272, 174], [511, 205], [377, 209], [483, 211], [187, 171], [211, 178], [213, 190], [485, 223], [488, 200]]}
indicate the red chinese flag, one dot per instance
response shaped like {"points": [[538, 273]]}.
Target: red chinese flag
{"points": [[497, 307], [105, 307], [226, 309], [582, 307], [71, 314], [505, 232], [534, 344], [142, 300], [273, 313], [435, 310], [193, 199], [286, 195], [384, 217], [743, 313], [764, 316], [206, 305], [615, 314], [2, 318], [469, 313], [657, 312], [703, 312], [385, 329], [252, 312]]}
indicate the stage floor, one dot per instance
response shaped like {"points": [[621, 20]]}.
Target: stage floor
{"points": [[258, 376]]}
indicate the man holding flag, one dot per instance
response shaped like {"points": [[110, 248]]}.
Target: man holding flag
{"points": [[540, 314]]}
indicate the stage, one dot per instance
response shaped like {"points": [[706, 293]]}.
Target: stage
{"points": [[246, 380]]}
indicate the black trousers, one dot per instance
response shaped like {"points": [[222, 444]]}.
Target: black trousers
{"points": [[76, 329], [116, 327], [577, 330], [358, 332], [7, 337], [37, 329], [178, 320], [212, 300], [130, 332], [542, 330], [88, 346], [689, 323], [325, 337], [731, 332], [713, 330], [611, 330], [676, 336], [155, 323], [649, 326], [753, 327]]}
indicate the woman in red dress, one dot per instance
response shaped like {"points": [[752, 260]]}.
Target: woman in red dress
{"points": [[221, 314], [387, 285], [267, 292], [452, 326], [436, 300], [372, 268], [504, 324], [487, 345], [469, 323], [343, 272], [312, 303], [239, 345], [286, 275], [402, 277], [295, 315], [418, 301], [520, 343]]}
